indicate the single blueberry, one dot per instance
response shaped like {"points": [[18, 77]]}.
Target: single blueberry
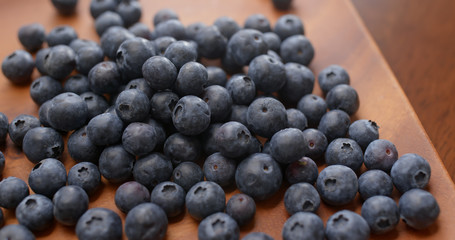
{"points": [[375, 182], [410, 171], [337, 185], [343, 97], [187, 174], [245, 45], [298, 83], [139, 138], [227, 26], [334, 124], [288, 25], [266, 116], [242, 89], [42, 142], [47, 177], [191, 79], [131, 55], [241, 208], [19, 126], [181, 52], [301, 197], [331, 76], [12, 191], [218, 226], [363, 132], [303, 225], [32, 36], [163, 15], [267, 73], [99, 223], [297, 48], [140, 30], [172, 27], [346, 224], [97, 7], [381, 214], [130, 11], [61, 35], [170, 197], [288, 145], [211, 42], [112, 38], [204, 199], [344, 151], [16, 232], [67, 111], [18, 67], [220, 169], [296, 119], [152, 169], [132, 105], [314, 107], [302, 170], [131, 194], [85, 175], [35, 212], [77, 84], [233, 139], [273, 41], [59, 61], [105, 129], [146, 221], [418, 208], [70, 202], [116, 164], [65, 7], [191, 115], [381, 154]]}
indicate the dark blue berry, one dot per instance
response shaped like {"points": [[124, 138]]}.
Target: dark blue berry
{"points": [[187, 174], [258, 22], [192, 30], [410, 171], [204, 199], [216, 76], [301, 197], [131, 55], [238, 114], [314, 107], [132, 105], [242, 89], [87, 58], [266, 116], [99, 223], [104, 77], [191, 79], [139, 138], [16, 232], [287, 145], [42, 142], [334, 124], [106, 20], [35, 212], [47, 177], [19, 126], [267, 73], [131, 194], [346, 224], [18, 67], [303, 225], [282, 4], [218, 226], [32, 36], [105, 129], [296, 119], [162, 43], [170, 197], [181, 52], [375, 182], [273, 41], [146, 221], [302, 170], [162, 104], [70, 202], [67, 111], [343, 97], [116, 164], [97, 7], [381, 154], [39, 60], [140, 30], [219, 169], [227, 26], [191, 115], [331, 76], [288, 25], [61, 35], [180, 148], [152, 169], [418, 208], [233, 139], [297, 48], [363, 132], [172, 27], [3, 128], [257, 236], [85, 175], [337, 185], [65, 7], [96, 104], [241, 208], [163, 15], [344, 151], [211, 42], [59, 62], [245, 45], [77, 84], [381, 214], [44, 88], [316, 142], [130, 11], [112, 38], [299, 82], [12, 191], [159, 72]]}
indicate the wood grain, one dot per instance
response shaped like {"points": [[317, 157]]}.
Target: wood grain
{"points": [[339, 37], [417, 42]]}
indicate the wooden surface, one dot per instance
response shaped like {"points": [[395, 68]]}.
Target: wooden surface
{"points": [[417, 40], [339, 37]]}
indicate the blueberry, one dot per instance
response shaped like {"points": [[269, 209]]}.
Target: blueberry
{"points": [[267, 73], [131, 55], [112, 38], [99, 223], [296, 119], [77, 84], [162, 104], [170, 197], [116, 164], [259, 176], [42, 113], [346, 224], [47, 177], [241, 208], [258, 22], [65, 7], [152, 169], [299, 44], [233, 139], [104, 77], [3, 128], [381, 214], [191, 115], [207, 139], [105, 129], [16, 232], [266, 116], [35, 212], [204, 199], [96, 104], [257, 236], [32, 36], [238, 114], [218, 226], [334, 124], [79, 43], [61, 35], [18, 67], [344, 151], [44, 88], [381, 154], [2, 163], [418, 208], [288, 25], [132, 105], [192, 30], [287, 145], [227, 26], [216, 76], [161, 135], [302, 170], [343, 97], [98, 7], [187, 174], [337, 185], [140, 30], [242, 89], [130, 11], [106, 20], [42, 142], [410, 171], [162, 43], [142, 85], [273, 41], [20, 126], [299, 82], [85, 175], [314, 107], [301, 197], [181, 52], [70, 202], [245, 45], [139, 138], [12, 191], [59, 62], [159, 72], [131, 194], [39, 60], [331, 76], [191, 79], [67, 111], [163, 15], [303, 225], [282, 4], [375, 182], [172, 27], [363, 132], [211, 42], [180, 148], [219, 169], [146, 221]]}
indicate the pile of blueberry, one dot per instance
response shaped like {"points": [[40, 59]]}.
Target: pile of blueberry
{"points": [[144, 111]]}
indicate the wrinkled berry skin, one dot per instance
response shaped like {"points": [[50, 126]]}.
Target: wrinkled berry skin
{"points": [[241, 208], [303, 225], [375, 182], [18, 67], [99, 223], [132, 105], [131, 194], [363, 132], [47, 177], [67, 111], [131, 55], [381, 214], [314, 107], [346, 224], [418, 208], [301, 197], [287, 145], [259, 176], [299, 44], [170, 197], [42, 142], [344, 151], [219, 169], [331, 76], [245, 45], [16, 232], [20, 126], [32, 36], [218, 226], [12, 191], [316, 142], [302, 170], [85, 175], [146, 221], [381, 154], [267, 73], [116, 164], [343, 97], [233, 139], [187, 174], [266, 116], [337, 185], [204, 199], [152, 169], [334, 124], [191, 115], [159, 72], [105, 129], [410, 171], [70, 202], [35, 212]]}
